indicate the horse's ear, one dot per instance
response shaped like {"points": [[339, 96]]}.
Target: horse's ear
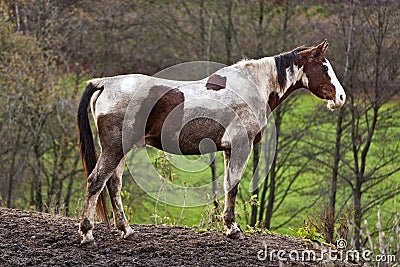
{"points": [[320, 49]]}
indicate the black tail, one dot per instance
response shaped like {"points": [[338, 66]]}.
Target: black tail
{"points": [[86, 144]]}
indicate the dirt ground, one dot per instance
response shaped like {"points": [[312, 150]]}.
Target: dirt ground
{"points": [[39, 239]]}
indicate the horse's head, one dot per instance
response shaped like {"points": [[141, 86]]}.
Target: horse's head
{"points": [[319, 77]]}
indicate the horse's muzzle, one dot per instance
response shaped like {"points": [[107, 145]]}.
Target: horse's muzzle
{"points": [[332, 104]]}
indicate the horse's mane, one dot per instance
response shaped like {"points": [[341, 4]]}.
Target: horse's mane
{"points": [[285, 60]]}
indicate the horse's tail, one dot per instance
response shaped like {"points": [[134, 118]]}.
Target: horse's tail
{"points": [[86, 144]]}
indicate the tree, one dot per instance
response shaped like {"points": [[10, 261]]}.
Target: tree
{"points": [[359, 162], [369, 119]]}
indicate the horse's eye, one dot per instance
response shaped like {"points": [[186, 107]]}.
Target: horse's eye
{"points": [[325, 67]]}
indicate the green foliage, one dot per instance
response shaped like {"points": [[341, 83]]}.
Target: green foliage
{"points": [[211, 220], [308, 233], [126, 197], [257, 230], [163, 165]]}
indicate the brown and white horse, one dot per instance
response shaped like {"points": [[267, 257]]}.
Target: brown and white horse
{"points": [[137, 110]]}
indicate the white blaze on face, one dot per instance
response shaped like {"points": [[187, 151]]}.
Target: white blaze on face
{"points": [[340, 94]]}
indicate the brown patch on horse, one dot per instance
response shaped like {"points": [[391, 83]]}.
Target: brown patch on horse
{"points": [[273, 100], [216, 82], [163, 102], [258, 138]]}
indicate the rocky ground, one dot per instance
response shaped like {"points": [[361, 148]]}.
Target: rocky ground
{"points": [[39, 239]]}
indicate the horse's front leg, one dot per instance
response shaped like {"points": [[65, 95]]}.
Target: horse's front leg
{"points": [[234, 167]]}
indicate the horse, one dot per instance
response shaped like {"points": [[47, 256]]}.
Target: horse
{"points": [[136, 110]]}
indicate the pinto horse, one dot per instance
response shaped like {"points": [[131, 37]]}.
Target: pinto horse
{"points": [[136, 110]]}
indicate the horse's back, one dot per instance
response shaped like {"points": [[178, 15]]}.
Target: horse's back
{"points": [[225, 91], [118, 91]]}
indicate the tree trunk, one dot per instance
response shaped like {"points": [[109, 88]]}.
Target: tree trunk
{"points": [[256, 180], [256, 151], [11, 179], [268, 156], [271, 196], [339, 131], [229, 33], [272, 173], [12, 170], [262, 200], [61, 178], [203, 33], [37, 181], [213, 166], [68, 194], [53, 182], [357, 212], [260, 30], [330, 220]]}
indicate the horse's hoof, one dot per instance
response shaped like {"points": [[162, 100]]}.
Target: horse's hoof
{"points": [[235, 232], [128, 233], [236, 235], [88, 243]]}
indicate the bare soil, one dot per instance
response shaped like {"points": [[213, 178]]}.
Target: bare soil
{"points": [[38, 239]]}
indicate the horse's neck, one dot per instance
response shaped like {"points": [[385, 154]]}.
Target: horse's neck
{"points": [[264, 73]]}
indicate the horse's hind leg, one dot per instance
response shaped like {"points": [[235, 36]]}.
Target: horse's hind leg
{"points": [[114, 185], [96, 182]]}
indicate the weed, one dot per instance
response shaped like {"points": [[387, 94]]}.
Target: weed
{"points": [[127, 209], [308, 233], [211, 219], [257, 230]]}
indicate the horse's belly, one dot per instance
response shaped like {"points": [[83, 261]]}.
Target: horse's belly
{"points": [[198, 136]]}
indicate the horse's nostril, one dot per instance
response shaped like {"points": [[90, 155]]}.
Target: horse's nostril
{"points": [[341, 97]]}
